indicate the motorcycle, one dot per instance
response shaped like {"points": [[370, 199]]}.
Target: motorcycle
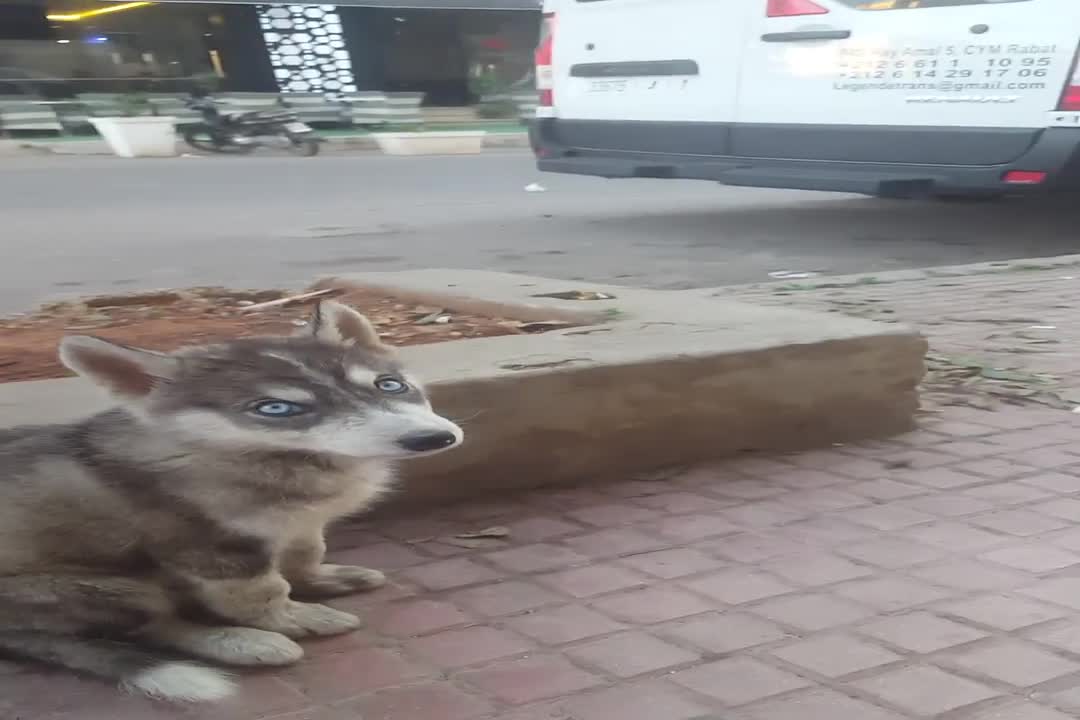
{"points": [[242, 133]]}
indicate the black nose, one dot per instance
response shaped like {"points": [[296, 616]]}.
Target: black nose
{"points": [[426, 442]]}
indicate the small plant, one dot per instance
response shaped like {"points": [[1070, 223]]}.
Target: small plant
{"points": [[135, 104], [496, 109]]}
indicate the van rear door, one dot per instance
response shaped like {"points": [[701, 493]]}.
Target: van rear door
{"points": [[646, 75], [960, 82]]}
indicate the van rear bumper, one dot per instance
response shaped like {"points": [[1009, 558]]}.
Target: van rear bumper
{"points": [[1055, 151]]}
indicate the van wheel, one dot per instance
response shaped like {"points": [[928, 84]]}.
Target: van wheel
{"points": [[969, 197]]}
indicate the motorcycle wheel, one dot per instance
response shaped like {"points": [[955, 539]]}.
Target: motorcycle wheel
{"points": [[304, 146], [201, 138]]}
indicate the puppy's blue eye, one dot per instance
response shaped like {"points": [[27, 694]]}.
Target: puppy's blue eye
{"points": [[391, 385], [278, 408]]}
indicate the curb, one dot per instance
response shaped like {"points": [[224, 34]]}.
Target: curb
{"points": [[634, 387], [334, 144], [997, 267]]}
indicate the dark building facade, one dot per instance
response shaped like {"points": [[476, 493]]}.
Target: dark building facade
{"points": [[450, 50]]}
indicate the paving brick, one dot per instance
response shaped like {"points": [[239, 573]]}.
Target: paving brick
{"points": [[971, 575], [687, 528], [747, 489], [811, 612], [1008, 493], [968, 449], [723, 633], [925, 690], [835, 655], [1063, 591], [994, 468], [1002, 612], [1063, 508], [1033, 557], [1020, 710], [674, 563], [738, 585], [1065, 637], [1022, 523], [824, 499], [889, 594], [652, 700], [940, 478], [652, 605], [815, 569], [565, 624], [798, 478], [739, 680], [752, 547], [614, 542], [594, 580], [447, 574], [415, 617], [429, 701], [1014, 662], [948, 505], [818, 704], [892, 553], [891, 516], [468, 646], [1046, 457], [921, 632], [1063, 483], [827, 531], [536, 558], [612, 515], [535, 678], [385, 556], [539, 529], [504, 598], [1068, 700], [346, 675], [680, 503], [630, 653], [885, 489], [764, 514]]}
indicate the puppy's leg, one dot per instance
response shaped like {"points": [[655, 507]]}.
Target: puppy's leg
{"points": [[227, 645], [238, 583], [92, 624], [302, 565]]}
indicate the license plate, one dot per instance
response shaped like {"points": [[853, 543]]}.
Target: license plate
{"points": [[297, 127]]}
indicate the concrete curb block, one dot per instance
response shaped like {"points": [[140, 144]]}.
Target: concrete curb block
{"points": [[333, 144], [649, 380], [997, 267]]}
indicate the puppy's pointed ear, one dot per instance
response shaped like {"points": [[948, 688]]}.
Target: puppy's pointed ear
{"points": [[125, 372], [339, 324]]}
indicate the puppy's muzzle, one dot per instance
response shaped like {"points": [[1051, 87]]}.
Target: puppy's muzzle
{"points": [[428, 441]]}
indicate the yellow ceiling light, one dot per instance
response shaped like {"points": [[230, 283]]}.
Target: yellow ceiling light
{"points": [[86, 14]]}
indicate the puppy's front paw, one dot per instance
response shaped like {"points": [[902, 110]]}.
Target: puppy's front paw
{"points": [[310, 619], [336, 580]]}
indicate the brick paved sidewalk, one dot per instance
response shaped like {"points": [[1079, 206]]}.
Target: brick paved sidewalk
{"points": [[933, 576]]}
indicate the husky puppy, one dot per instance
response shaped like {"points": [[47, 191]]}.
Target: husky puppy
{"points": [[189, 521]]}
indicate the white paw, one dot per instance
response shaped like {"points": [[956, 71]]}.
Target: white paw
{"points": [[180, 682], [361, 578], [321, 620], [248, 646]]}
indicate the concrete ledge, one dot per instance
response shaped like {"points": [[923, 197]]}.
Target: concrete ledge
{"points": [[653, 379], [333, 144]]}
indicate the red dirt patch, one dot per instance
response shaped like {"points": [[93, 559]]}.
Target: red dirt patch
{"points": [[168, 320]]}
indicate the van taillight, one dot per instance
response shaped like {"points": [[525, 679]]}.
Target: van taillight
{"points": [[792, 8], [545, 80], [1070, 96]]}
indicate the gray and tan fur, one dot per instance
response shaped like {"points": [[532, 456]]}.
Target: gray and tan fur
{"points": [[189, 522]]}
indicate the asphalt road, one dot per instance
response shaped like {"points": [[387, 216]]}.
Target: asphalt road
{"points": [[80, 225]]}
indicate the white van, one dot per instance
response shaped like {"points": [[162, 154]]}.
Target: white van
{"points": [[896, 98]]}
